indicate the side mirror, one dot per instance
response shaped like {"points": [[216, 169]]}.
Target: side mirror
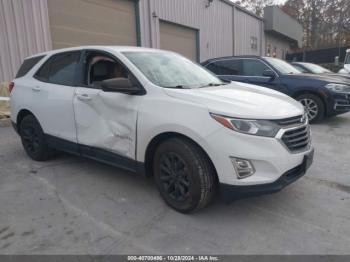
{"points": [[269, 73], [120, 85]]}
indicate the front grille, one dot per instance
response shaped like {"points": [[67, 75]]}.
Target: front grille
{"points": [[290, 121], [297, 139]]}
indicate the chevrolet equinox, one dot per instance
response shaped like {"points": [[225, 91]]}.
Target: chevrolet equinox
{"points": [[157, 113]]}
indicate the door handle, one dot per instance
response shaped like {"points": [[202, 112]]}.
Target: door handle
{"points": [[83, 97], [36, 89]]}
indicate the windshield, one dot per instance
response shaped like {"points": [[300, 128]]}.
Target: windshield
{"points": [[282, 66], [171, 70], [316, 69]]}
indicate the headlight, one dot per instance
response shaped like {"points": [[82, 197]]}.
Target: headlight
{"points": [[340, 88], [247, 126]]}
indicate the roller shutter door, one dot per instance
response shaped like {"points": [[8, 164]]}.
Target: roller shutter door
{"points": [[179, 39], [92, 22]]}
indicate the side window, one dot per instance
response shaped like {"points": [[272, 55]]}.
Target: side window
{"points": [[253, 67], [226, 67], [100, 67], [60, 69], [27, 65]]}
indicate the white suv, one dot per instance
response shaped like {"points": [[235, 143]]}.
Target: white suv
{"points": [[157, 113], [346, 68]]}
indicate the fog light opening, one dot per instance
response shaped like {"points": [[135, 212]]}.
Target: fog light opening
{"points": [[243, 167]]}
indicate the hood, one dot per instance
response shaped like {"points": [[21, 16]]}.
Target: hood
{"points": [[343, 76], [322, 77], [241, 100]]}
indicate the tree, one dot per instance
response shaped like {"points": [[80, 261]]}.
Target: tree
{"points": [[256, 6], [326, 22]]}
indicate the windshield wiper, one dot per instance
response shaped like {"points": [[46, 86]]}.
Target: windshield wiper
{"points": [[213, 84], [178, 87]]}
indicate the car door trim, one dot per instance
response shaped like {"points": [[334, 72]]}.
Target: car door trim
{"points": [[95, 153]]}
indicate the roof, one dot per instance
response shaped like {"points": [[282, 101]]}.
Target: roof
{"points": [[229, 57], [102, 48], [229, 2]]}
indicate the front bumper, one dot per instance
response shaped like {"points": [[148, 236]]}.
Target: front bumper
{"points": [[231, 192], [269, 156], [338, 103]]}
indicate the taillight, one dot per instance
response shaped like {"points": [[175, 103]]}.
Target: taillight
{"points": [[11, 86]]}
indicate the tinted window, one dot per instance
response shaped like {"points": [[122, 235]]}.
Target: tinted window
{"points": [[226, 67], [253, 67], [60, 69], [27, 65]]}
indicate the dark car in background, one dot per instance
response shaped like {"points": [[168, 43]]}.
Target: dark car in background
{"points": [[311, 68], [321, 95]]}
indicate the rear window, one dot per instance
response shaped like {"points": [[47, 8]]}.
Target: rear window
{"points": [[60, 69], [28, 64]]}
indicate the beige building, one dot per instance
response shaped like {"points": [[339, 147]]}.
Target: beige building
{"points": [[199, 29]]}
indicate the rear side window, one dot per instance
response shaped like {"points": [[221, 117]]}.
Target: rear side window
{"points": [[27, 65], [226, 67], [60, 69]]}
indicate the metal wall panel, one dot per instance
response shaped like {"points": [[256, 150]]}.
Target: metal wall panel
{"points": [[279, 22], [24, 31], [215, 23], [92, 22], [281, 45], [246, 27]]}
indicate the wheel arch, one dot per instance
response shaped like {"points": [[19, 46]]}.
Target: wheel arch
{"points": [[22, 114], [313, 92], [158, 139]]}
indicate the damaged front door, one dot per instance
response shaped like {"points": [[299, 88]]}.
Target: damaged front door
{"points": [[105, 121]]}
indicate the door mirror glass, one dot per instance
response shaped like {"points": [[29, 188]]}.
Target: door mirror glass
{"points": [[269, 73], [120, 85]]}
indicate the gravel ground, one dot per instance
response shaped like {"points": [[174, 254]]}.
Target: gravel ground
{"points": [[71, 205]]}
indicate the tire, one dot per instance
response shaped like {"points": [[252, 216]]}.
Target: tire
{"points": [[313, 106], [184, 175], [33, 139]]}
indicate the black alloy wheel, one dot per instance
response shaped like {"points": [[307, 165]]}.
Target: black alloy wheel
{"points": [[174, 176], [184, 175]]}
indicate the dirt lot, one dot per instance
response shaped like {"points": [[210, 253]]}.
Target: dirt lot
{"points": [[71, 205]]}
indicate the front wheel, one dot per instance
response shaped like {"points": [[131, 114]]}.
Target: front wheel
{"points": [[314, 107], [184, 175]]}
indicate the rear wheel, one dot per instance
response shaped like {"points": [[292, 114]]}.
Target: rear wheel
{"points": [[33, 139], [184, 175], [314, 107]]}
